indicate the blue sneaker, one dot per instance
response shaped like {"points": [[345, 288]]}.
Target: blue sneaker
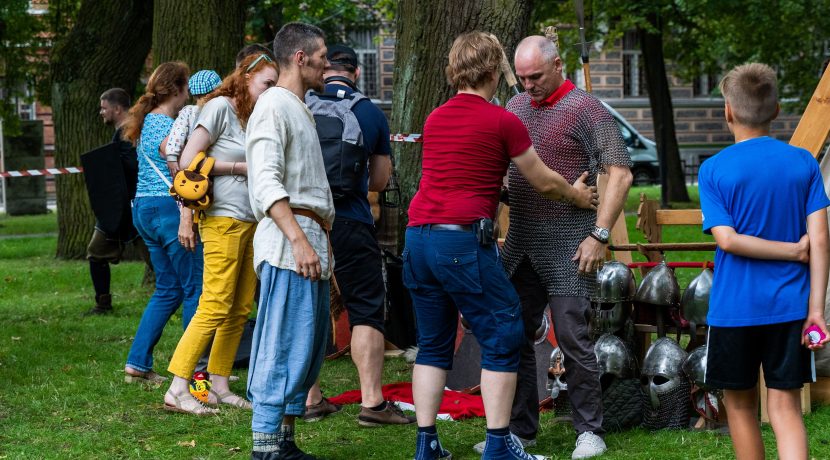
{"points": [[428, 447], [505, 447]]}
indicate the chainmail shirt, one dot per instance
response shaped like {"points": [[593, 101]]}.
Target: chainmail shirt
{"points": [[574, 135]]}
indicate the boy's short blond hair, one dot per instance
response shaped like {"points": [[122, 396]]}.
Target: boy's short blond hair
{"points": [[751, 90], [473, 58]]}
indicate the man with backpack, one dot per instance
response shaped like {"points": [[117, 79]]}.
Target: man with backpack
{"points": [[354, 137]]}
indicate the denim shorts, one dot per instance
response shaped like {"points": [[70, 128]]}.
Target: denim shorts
{"points": [[447, 272]]}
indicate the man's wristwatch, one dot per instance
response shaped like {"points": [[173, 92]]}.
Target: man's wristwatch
{"points": [[601, 234]]}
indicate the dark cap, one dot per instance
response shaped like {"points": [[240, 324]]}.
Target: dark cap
{"points": [[344, 55]]}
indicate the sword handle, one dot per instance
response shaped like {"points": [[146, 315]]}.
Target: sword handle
{"points": [[586, 70]]}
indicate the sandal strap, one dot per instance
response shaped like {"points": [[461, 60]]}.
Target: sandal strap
{"points": [[225, 398], [199, 408]]}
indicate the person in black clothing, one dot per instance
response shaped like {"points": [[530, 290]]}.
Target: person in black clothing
{"points": [[354, 243], [106, 248]]}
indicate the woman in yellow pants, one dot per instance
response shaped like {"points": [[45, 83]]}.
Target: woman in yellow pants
{"points": [[227, 231]]}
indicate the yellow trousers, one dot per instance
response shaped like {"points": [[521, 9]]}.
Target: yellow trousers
{"points": [[227, 297]]}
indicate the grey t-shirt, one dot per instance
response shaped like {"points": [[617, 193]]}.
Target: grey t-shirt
{"points": [[230, 193]]}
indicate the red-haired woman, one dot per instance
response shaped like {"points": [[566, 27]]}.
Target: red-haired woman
{"points": [[160, 222], [227, 232]]}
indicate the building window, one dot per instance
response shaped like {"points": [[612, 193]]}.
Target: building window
{"points": [[365, 45], [634, 78], [25, 104]]}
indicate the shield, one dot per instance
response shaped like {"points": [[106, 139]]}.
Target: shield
{"points": [[107, 187]]}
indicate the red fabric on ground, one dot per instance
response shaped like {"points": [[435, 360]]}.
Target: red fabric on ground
{"points": [[457, 405]]}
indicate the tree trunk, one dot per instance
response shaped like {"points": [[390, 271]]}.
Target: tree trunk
{"points": [[672, 177], [425, 32], [106, 48], [205, 35]]}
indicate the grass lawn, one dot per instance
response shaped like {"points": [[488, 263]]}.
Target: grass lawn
{"points": [[63, 394]]}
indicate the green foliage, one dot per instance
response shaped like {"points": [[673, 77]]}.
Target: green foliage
{"points": [[336, 17], [711, 36], [20, 41], [790, 35]]}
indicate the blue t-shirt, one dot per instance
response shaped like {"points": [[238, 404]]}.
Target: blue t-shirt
{"points": [[375, 130], [765, 188], [156, 127]]}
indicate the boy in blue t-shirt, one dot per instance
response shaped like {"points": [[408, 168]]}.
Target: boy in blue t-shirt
{"points": [[764, 202]]}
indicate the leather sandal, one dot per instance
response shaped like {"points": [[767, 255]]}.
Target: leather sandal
{"points": [[228, 398], [187, 404], [144, 377]]}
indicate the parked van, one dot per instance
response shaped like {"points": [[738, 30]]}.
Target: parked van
{"points": [[643, 151]]}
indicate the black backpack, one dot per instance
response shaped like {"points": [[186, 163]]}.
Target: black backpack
{"points": [[341, 139]]}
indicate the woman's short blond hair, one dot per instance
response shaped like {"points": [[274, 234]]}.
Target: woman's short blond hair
{"points": [[474, 56], [751, 90]]}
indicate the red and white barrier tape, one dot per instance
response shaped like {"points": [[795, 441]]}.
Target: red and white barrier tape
{"points": [[75, 170], [42, 172], [406, 138]]}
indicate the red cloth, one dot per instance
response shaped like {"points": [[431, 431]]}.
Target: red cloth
{"points": [[458, 405], [555, 96], [468, 144]]}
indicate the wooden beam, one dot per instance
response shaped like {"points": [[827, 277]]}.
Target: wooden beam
{"points": [[664, 247], [679, 217], [811, 132]]}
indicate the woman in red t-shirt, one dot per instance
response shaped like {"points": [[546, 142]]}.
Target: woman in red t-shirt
{"points": [[468, 146]]}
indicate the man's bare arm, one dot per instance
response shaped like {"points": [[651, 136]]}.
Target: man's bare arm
{"points": [[306, 259], [591, 253], [380, 169]]}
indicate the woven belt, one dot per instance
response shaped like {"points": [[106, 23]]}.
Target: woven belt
{"points": [[453, 227]]}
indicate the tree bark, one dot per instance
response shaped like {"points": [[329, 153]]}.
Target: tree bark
{"points": [[425, 32], [106, 48], [672, 177], [205, 35]]}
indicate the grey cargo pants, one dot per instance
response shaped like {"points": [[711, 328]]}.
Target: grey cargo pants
{"points": [[571, 316]]}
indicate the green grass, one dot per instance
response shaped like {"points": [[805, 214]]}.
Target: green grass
{"points": [[63, 394], [28, 225], [653, 192]]}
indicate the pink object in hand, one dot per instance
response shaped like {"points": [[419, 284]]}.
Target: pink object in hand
{"points": [[814, 334]]}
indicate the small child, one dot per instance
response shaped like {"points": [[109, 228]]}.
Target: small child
{"points": [[200, 85], [764, 202]]}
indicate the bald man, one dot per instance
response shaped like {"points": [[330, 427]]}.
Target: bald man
{"points": [[553, 249]]}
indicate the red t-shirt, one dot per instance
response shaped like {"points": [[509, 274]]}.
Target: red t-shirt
{"points": [[468, 144]]}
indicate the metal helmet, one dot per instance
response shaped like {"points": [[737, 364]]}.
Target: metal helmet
{"points": [[555, 372], [694, 305], [542, 331], [659, 287], [610, 317], [613, 357], [695, 367], [661, 369], [615, 283]]}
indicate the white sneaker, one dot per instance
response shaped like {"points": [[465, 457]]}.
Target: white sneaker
{"points": [[479, 448], [588, 445]]}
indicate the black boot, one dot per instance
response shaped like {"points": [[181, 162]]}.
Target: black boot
{"points": [[103, 305]]}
